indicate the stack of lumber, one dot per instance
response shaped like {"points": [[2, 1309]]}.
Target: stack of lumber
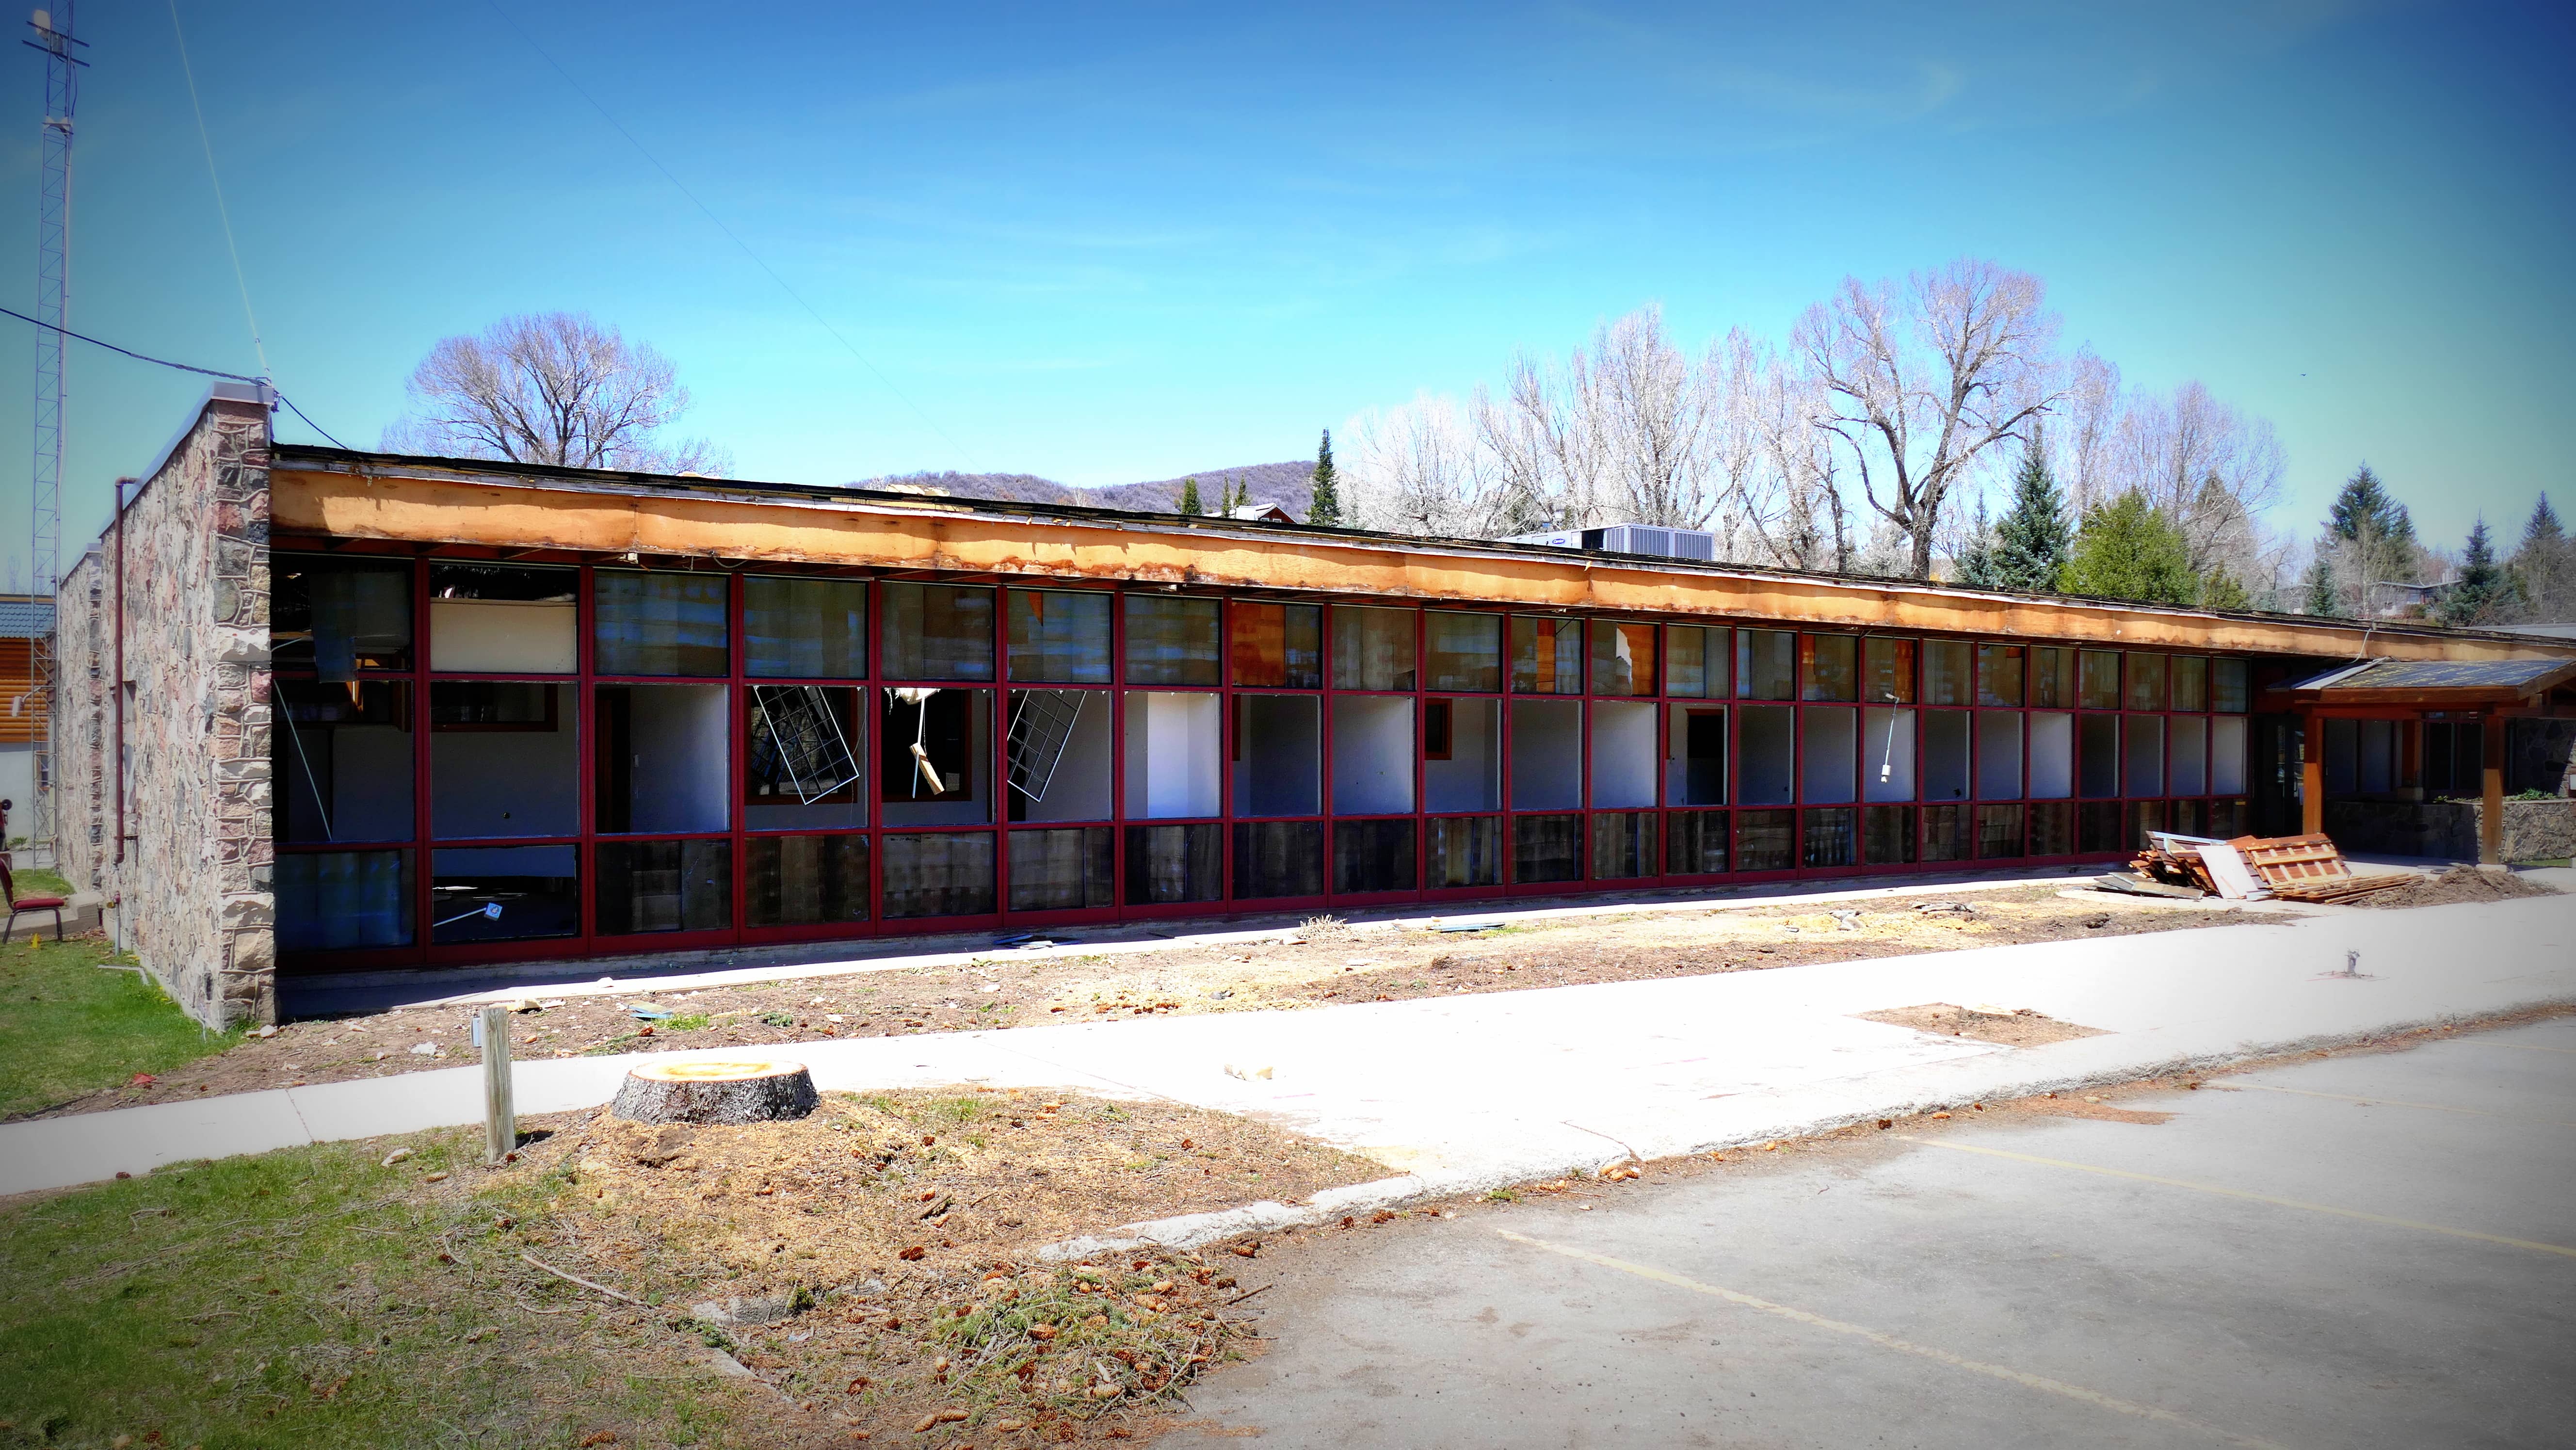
{"points": [[2309, 868]]}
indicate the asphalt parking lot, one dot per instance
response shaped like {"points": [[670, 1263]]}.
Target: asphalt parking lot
{"points": [[2368, 1249]]}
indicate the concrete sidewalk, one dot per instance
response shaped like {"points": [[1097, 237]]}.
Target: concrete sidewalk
{"points": [[1488, 1088]]}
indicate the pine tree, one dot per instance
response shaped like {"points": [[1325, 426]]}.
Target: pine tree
{"points": [[1977, 558], [2031, 540], [2128, 550], [2543, 569], [2220, 589], [1190, 496], [2480, 593], [2325, 595], [1326, 508], [2364, 511]]}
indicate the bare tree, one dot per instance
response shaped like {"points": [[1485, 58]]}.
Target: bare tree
{"points": [[1925, 379], [552, 387], [2206, 466], [1791, 490], [1420, 469]]}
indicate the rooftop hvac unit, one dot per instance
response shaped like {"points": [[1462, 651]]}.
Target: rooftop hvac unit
{"points": [[1656, 543]]}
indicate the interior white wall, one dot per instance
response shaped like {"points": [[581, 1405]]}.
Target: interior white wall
{"points": [[1172, 766], [507, 782], [1547, 755], [1623, 755], [1827, 774], [1079, 790], [2187, 755], [1471, 779], [371, 783], [1766, 755], [1945, 756], [1999, 755], [681, 758], [1281, 772], [2052, 755], [1372, 755], [1887, 755], [2227, 755], [504, 636]]}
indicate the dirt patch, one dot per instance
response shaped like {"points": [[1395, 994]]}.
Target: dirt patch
{"points": [[2458, 884], [2009, 1026]]}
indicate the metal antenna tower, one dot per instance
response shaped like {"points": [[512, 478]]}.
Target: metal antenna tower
{"points": [[53, 302]]}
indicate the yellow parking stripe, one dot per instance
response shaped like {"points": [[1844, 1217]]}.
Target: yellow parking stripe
{"points": [[2250, 1197], [2265, 1087], [2043, 1383]]}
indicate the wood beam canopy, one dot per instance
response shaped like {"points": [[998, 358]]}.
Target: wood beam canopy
{"points": [[504, 512]]}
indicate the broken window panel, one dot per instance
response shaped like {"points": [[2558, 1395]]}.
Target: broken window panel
{"points": [[1695, 756], [935, 756], [1057, 745], [1695, 843], [1372, 755], [1766, 664], [1465, 772], [2051, 684], [2227, 819], [1278, 646], [1831, 737], [1278, 757], [2231, 690], [340, 761], [1623, 845], [2146, 682], [1886, 671], [503, 893], [1276, 859], [503, 619], [2098, 680], [2142, 756], [802, 758], [1463, 851], [804, 629], [1887, 755], [1623, 658], [1948, 666], [1945, 755], [1946, 833], [1999, 832], [1623, 755], [339, 615], [1372, 648], [1059, 636], [938, 874], [1766, 755], [937, 632], [1697, 661], [1547, 848], [2097, 827], [663, 759], [2187, 755], [1173, 740], [2052, 829], [1998, 755], [1999, 674], [2052, 755], [2097, 756], [1372, 856], [1886, 835], [1547, 755], [2189, 678], [1830, 838], [332, 901], [647, 886], [504, 759], [1829, 664], [1172, 865], [1063, 870], [805, 880], [1465, 650], [2227, 757], [658, 624], [1547, 656], [1766, 840], [1171, 640]]}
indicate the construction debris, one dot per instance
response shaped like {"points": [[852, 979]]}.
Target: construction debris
{"points": [[2249, 868]]}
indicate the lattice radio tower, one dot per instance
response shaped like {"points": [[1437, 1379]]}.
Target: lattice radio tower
{"points": [[53, 302]]}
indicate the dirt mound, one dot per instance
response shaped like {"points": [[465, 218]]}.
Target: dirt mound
{"points": [[2459, 883]]}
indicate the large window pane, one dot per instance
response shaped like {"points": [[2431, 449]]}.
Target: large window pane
{"points": [[2146, 682], [1171, 865], [1695, 758], [1278, 759], [805, 880], [1547, 848], [665, 886], [2052, 684], [503, 619], [936, 874], [1945, 755], [1999, 672], [1059, 636], [1766, 755], [1547, 656], [1462, 748], [1829, 838], [1623, 755], [1623, 658], [1279, 646], [1372, 856], [2190, 680], [504, 759], [1623, 845], [1766, 840], [503, 893], [1372, 648], [1825, 760], [1999, 832], [1463, 851], [2142, 756], [1372, 755], [802, 758], [1547, 755], [2231, 690], [2097, 827], [1695, 843], [2052, 755], [1466, 650], [1171, 641], [805, 629], [1274, 859], [1887, 755], [1058, 748], [1697, 661], [329, 901], [2052, 829], [1998, 755], [2226, 757], [937, 632], [1887, 671], [337, 616], [340, 761], [659, 624], [1830, 666], [1886, 835], [935, 756], [2097, 756], [2098, 687], [1063, 870], [1766, 664], [1947, 833], [664, 761], [2187, 749], [1947, 668]]}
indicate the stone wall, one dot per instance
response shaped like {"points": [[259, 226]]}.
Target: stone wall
{"points": [[193, 892], [2448, 830]]}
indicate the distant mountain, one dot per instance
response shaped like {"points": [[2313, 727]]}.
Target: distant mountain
{"points": [[1289, 485]]}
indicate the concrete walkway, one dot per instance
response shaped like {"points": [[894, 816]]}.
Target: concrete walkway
{"points": [[1496, 1087]]}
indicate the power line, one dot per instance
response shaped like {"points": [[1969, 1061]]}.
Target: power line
{"points": [[222, 212], [164, 362]]}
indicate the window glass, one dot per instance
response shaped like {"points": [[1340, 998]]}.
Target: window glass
{"points": [[1278, 748], [2146, 682], [1171, 641], [664, 886], [1830, 666], [1466, 650], [1946, 831], [340, 759], [1463, 851], [1547, 656], [938, 874], [805, 880], [1998, 755], [803, 748], [805, 629], [1547, 848], [329, 901], [1766, 840], [1547, 755], [2190, 680], [1887, 671], [1372, 856], [1059, 635], [1766, 664], [2231, 691], [1057, 755], [337, 616], [1373, 741], [1279, 646], [503, 893], [1946, 667], [1372, 648], [1462, 749], [2050, 689], [1827, 838], [659, 624], [1696, 660], [1170, 865], [1999, 671], [1887, 754], [2052, 756], [2099, 688], [2097, 757], [1623, 755], [1886, 835], [503, 619], [1945, 755], [2187, 757], [937, 632], [1828, 747], [1695, 843], [1999, 832], [1766, 755], [1623, 658], [2142, 755], [1065, 870], [1273, 859], [1623, 845]]}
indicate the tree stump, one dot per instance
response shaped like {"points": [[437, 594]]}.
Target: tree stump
{"points": [[752, 1091]]}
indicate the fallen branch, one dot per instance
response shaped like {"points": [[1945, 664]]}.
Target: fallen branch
{"points": [[1239, 1298], [585, 1283]]}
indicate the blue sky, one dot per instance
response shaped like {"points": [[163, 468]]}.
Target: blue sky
{"points": [[1120, 244]]}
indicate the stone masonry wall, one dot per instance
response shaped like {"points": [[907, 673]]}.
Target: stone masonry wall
{"points": [[194, 893]]}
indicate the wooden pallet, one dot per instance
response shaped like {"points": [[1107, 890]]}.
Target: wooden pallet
{"points": [[2288, 860]]}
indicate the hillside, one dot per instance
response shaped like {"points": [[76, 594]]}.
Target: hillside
{"points": [[1286, 484]]}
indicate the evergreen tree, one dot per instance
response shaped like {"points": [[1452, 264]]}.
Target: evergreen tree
{"points": [[2365, 512], [2543, 569], [2325, 595], [2031, 540], [1190, 496], [2220, 589], [2128, 550], [1242, 497], [1976, 565], [2480, 593], [1326, 508]]}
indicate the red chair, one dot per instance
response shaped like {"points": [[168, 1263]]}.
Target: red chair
{"points": [[28, 904]]}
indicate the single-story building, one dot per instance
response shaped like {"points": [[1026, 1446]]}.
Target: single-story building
{"points": [[331, 711]]}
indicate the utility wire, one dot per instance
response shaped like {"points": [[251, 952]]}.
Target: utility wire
{"points": [[182, 367], [729, 232], [222, 212]]}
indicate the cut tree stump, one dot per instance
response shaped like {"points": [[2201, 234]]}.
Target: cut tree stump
{"points": [[753, 1091]]}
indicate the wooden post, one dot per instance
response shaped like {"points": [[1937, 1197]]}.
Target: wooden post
{"points": [[500, 1118], [2312, 776], [2491, 797]]}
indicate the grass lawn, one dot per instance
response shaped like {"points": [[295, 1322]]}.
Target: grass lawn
{"points": [[68, 1028]]}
